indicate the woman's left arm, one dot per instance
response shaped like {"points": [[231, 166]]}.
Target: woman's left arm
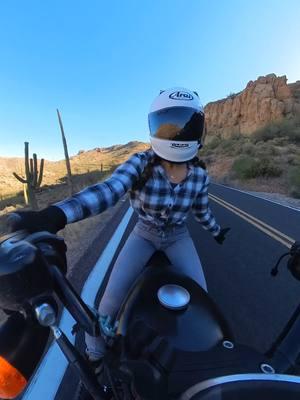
{"points": [[201, 210]]}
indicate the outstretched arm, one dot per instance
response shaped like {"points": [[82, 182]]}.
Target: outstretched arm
{"points": [[90, 201], [201, 209], [97, 198]]}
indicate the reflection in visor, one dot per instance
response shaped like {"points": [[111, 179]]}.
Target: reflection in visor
{"points": [[177, 123]]}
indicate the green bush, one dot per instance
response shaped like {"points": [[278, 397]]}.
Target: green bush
{"points": [[231, 146], [294, 181], [248, 149], [242, 167], [228, 147], [246, 168], [292, 159], [213, 143], [266, 150], [288, 129], [280, 141]]}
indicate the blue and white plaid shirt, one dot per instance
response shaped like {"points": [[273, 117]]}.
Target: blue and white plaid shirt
{"points": [[158, 202]]}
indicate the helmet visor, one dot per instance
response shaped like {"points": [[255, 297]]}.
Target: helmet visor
{"points": [[177, 123]]}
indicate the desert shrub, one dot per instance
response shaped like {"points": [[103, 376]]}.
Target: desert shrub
{"points": [[228, 147], [248, 149], [292, 159], [213, 143], [205, 152], [294, 181], [232, 146], [231, 95], [280, 141], [247, 167], [268, 132], [266, 150], [268, 168], [207, 159], [11, 200], [286, 128], [243, 166]]}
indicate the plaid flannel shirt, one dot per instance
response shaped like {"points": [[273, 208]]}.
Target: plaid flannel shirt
{"points": [[157, 202]]}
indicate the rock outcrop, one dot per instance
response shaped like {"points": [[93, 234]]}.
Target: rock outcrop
{"points": [[267, 99]]}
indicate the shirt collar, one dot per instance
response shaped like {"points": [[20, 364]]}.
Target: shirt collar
{"points": [[162, 171]]}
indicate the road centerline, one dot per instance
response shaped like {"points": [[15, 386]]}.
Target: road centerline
{"points": [[267, 229]]}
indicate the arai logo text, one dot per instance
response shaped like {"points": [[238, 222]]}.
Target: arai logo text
{"points": [[179, 145], [181, 96]]}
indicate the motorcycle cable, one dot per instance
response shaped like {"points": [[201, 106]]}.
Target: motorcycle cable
{"points": [[275, 270], [293, 263]]}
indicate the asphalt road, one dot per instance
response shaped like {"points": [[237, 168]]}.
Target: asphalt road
{"points": [[256, 305], [238, 272]]}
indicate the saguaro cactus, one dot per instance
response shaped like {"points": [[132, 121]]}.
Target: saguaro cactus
{"points": [[33, 178], [68, 165]]}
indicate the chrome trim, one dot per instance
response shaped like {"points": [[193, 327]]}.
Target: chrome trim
{"points": [[199, 387], [57, 333], [228, 344], [267, 369], [173, 297], [45, 314]]}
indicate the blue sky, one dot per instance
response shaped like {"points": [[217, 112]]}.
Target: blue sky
{"points": [[101, 63]]}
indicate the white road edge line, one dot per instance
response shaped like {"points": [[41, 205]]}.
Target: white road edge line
{"points": [[48, 377], [254, 195]]}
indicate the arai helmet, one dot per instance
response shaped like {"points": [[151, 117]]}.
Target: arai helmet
{"points": [[176, 123]]}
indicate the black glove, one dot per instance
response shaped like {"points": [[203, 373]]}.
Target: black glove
{"points": [[51, 219], [221, 236]]}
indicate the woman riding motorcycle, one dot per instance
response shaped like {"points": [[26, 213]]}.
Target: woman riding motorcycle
{"points": [[164, 184]]}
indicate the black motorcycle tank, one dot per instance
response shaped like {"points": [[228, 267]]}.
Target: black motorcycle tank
{"points": [[198, 327]]}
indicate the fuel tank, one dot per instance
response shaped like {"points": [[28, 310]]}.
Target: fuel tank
{"points": [[199, 326]]}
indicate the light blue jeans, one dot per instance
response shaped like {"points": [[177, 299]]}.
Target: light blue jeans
{"points": [[143, 241]]}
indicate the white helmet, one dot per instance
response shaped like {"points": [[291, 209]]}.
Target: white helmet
{"points": [[176, 123]]}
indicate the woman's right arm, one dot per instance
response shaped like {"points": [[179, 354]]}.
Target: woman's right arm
{"points": [[97, 198], [90, 201]]}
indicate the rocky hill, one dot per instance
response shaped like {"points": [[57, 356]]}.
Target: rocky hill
{"points": [[269, 98]]}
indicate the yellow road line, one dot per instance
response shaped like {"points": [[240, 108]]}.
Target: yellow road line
{"points": [[288, 238], [269, 230]]}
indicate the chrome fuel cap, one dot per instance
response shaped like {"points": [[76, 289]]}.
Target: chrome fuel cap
{"points": [[174, 297]]}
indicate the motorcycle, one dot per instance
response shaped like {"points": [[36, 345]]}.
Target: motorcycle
{"points": [[170, 340]]}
